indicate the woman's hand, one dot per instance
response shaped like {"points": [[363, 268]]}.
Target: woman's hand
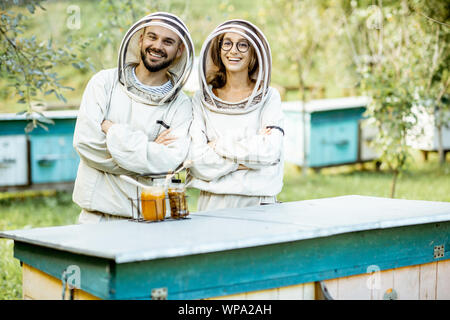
{"points": [[212, 144], [265, 131]]}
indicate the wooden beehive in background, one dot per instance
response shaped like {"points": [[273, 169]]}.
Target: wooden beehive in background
{"points": [[424, 135], [39, 157], [333, 132]]}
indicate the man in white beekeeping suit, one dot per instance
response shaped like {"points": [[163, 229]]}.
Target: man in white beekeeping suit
{"points": [[134, 119]]}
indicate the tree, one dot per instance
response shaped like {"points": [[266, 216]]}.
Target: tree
{"points": [[388, 70], [27, 63], [303, 35], [434, 19]]}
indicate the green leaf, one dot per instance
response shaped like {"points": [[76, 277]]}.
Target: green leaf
{"points": [[31, 8], [29, 127], [76, 65], [42, 126], [60, 97], [44, 119]]}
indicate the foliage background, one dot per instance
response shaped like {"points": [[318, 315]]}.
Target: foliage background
{"points": [[326, 47], [103, 23]]}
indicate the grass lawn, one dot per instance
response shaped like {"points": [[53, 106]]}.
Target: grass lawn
{"points": [[422, 181], [24, 214]]}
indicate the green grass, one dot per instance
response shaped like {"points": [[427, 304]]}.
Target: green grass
{"points": [[26, 213], [422, 181]]}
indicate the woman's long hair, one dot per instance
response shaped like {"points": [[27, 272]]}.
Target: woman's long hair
{"points": [[219, 79]]}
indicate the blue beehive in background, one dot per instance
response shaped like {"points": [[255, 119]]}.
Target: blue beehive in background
{"points": [[333, 132], [49, 156], [333, 136]]}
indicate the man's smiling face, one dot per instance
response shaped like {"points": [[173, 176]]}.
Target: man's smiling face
{"points": [[159, 48]]}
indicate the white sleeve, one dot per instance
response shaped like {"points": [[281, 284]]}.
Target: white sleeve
{"points": [[258, 150], [131, 149], [205, 163], [89, 140]]}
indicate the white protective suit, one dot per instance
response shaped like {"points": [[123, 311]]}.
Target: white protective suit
{"points": [[236, 129], [139, 117]]}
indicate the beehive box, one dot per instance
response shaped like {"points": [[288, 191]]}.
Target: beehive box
{"points": [[333, 132], [280, 251], [40, 156]]}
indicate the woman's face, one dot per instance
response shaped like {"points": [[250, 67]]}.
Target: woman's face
{"points": [[231, 52]]}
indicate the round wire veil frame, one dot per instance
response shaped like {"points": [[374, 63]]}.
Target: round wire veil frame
{"points": [[188, 44], [188, 67], [260, 33], [262, 59], [258, 36], [170, 18], [206, 45]]}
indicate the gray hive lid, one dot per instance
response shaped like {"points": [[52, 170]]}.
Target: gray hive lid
{"points": [[58, 114], [326, 104]]}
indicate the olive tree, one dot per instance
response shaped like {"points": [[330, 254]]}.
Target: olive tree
{"points": [[28, 64], [434, 19], [390, 77], [304, 29]]}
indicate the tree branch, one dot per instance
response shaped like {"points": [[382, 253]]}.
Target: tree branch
{"points": [[18, 52], [431, 19]]}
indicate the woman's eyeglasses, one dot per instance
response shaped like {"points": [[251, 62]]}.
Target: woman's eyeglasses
{"points": [[242, 46]]}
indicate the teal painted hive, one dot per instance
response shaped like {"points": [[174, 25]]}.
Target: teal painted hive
{"points": [[333, 134], [232, 251], [50, 156]]}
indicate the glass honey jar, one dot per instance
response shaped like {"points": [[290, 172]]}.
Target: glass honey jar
{"points": [[153, 201], [177, 199]]}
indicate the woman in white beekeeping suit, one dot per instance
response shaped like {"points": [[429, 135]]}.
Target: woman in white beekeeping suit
{"points": [[236, 152]]}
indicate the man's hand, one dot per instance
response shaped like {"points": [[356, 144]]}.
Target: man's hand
{"points": [[165, 138], [106, 124], [265, 131], [212, 144]]}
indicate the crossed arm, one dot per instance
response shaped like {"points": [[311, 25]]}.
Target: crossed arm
{"points": [[164, 137], [211, 160], [264, 132], [118, 148]]}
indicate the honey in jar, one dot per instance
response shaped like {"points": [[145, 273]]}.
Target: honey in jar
{"points": [[177, 200], [153, 203]]}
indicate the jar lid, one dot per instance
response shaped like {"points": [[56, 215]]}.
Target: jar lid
{"points": [[158, 181], [176, 180]]}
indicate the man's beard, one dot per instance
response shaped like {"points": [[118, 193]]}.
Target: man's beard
{"points": [[160, 66]]}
